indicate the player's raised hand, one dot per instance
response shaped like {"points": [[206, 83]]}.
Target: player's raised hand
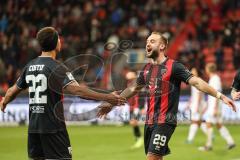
{"points": [[2, 105], [235, 95], [115, 99], [104, 109], [228, 102]]}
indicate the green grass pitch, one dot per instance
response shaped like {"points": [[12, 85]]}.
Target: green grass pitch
{"points": [[113, 143]]}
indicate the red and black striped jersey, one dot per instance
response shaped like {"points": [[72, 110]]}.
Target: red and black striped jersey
{"points": [[163, 82]]}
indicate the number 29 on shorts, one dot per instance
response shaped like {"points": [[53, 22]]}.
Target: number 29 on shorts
{"points": [[159, 140]]}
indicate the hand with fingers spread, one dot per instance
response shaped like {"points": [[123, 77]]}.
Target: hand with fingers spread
{"points": [[104, 109], [229, 102]]}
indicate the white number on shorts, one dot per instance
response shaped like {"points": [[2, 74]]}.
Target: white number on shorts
{"points": [[159, 140]]}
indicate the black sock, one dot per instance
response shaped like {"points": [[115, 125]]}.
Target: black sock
{"points": [[136, 131]]}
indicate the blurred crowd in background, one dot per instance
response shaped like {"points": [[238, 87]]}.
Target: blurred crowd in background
{"points": [[199, 31]]}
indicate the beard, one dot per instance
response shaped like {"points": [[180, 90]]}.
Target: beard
{"points": [[153, 54]]}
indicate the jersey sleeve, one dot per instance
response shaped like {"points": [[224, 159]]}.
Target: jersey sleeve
{"points": [[61, 75], [236, 81], [181, 72], [21, 82]]}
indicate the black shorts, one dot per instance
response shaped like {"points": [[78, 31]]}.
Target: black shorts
{"points": [[156, 138], [49, 145]]}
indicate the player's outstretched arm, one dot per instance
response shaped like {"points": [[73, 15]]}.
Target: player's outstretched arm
{"points": [[75, 89], [130, 91], [9, 96], [204, 87]]}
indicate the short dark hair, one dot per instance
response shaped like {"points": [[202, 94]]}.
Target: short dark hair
{"points": [[47, 38]]}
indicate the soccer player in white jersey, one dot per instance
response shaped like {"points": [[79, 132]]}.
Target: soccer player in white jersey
{"points": [[196, 106], [214, 111]]}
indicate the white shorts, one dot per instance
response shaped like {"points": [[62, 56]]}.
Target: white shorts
{"points": [[210, 118], [195, 116], [214, 119], [195, 111]]}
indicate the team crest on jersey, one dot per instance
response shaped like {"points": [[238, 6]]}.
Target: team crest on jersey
{"points": [[163, 71], [70, 76]]}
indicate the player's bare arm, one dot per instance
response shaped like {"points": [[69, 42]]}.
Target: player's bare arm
{"points": [[75, 89], [130, 91], [235, 94], [9, 96], [204, 87]]}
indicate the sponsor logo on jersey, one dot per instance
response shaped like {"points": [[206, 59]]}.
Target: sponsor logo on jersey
{"points": [[37, 109]]}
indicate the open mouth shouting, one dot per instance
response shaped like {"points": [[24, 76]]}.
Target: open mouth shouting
{"points": [[149, 50]]}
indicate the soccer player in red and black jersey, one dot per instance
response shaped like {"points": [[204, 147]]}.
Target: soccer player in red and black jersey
{"points": [[46, 79], [162, 78]]}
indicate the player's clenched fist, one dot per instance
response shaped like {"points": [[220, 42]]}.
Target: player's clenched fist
{"points": [[235, 95]]}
